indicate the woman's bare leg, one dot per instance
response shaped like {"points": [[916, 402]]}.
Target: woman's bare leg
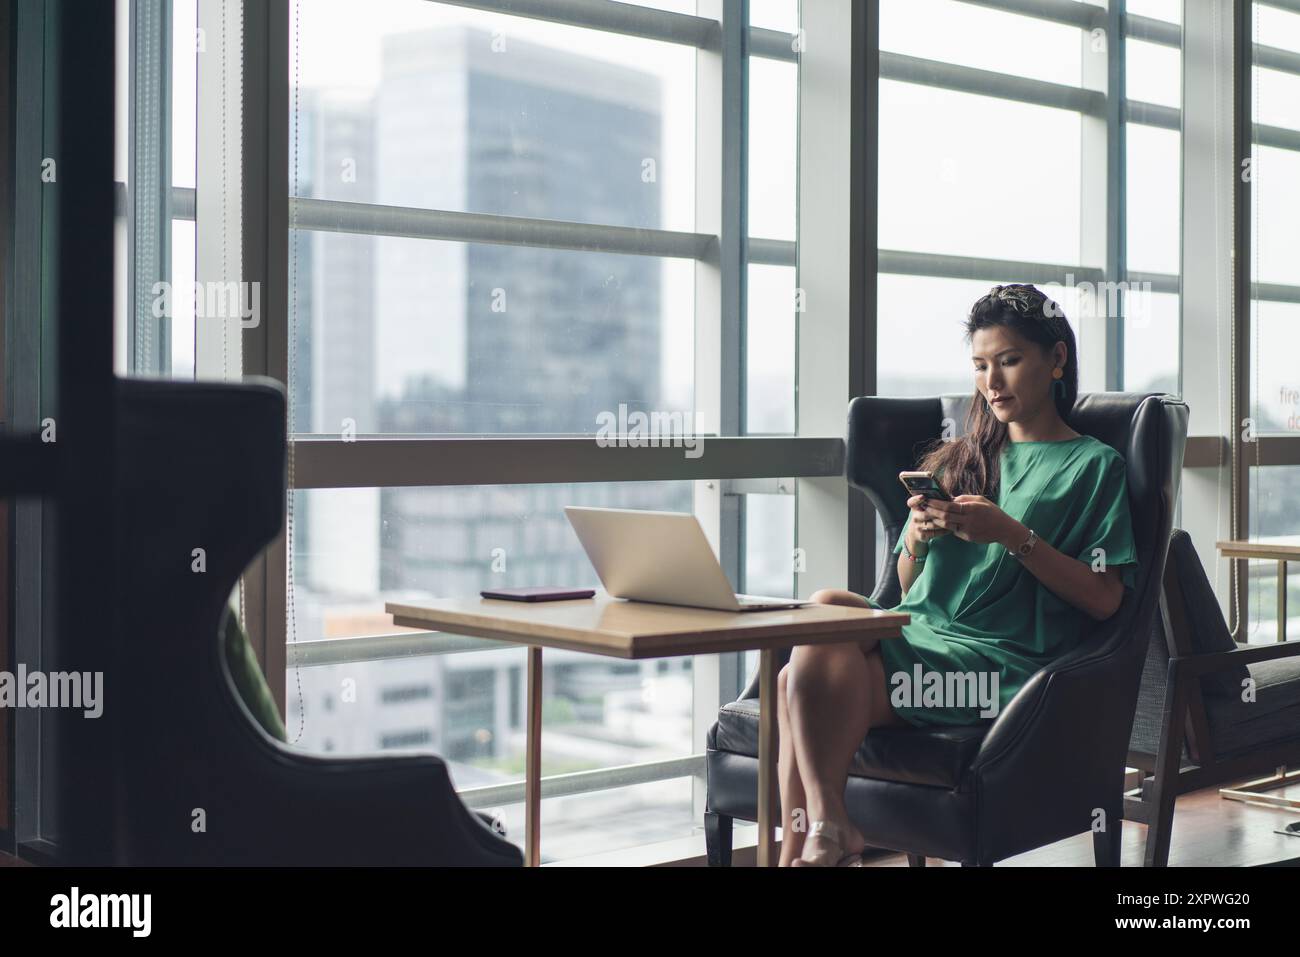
{"points": [[836, 694], [787, 769]]}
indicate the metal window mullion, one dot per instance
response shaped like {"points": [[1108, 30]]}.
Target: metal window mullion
{"points": [[421, 463], [1277, 137], [609, 16], [770, 252], [1243, 140], [1096, 204], [265, 237], [1291, 6], [1274, 58], [1159, 281], [1153, 114], [827, 262], [1205, 300], [734, 242], [1150, 30], [588, 782], [149, 194], [453, 226], [1274, 292], [218, 172], [1116, 192], [1086, 16], [1002, 86], [771, 44], [864, 269], [907, 263], [717, 78]]}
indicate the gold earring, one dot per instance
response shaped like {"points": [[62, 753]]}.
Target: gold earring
{"points": [[1058, 372]]}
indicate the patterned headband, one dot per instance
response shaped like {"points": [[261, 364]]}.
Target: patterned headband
{"points": [[1027, 301]]}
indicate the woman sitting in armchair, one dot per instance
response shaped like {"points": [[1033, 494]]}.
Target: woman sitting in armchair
{"points": [[1034, 543]]}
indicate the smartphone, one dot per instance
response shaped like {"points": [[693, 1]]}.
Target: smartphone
{"points": [[539, 594], [923, 483]]}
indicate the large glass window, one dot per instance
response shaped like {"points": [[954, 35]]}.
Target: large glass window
{"points": [[995, 166], [1273, 323], [509, 227]]}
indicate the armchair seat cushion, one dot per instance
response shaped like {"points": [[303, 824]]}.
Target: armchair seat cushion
{"points": [[938, 757], [1274, 715]]}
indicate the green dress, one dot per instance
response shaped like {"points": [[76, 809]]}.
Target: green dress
{"points": [[977, 610]]}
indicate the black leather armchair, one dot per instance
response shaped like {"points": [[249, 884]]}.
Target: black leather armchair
{"points": [[1055, 756], [203, 466]]}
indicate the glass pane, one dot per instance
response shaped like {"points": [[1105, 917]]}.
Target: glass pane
{"points": [[921, 336], [1154, 199], [770, 350], [985, 39], [421, 336], [773, 143], [1152, 342], [1276, 204], [1276, 27], [1274, 520], [1154, 73], [774, 14], [1168, 10], [943, 190], [355, 549], [439, 106], [605, 822], [1275, 377], [770, 558], [673, 6], [1277, 98]]}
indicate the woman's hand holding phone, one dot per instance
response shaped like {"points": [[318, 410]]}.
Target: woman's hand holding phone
{"points": [[921, 529]]}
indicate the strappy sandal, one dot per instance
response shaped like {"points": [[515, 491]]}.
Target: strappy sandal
{"points": [[833, 835]]}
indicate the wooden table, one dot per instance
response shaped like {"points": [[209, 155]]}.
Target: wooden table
{"points": [[636, 630], [1268, 552]]}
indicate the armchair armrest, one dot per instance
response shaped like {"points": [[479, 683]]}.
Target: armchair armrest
{"points": [[1044, 716], [1210, 662]]}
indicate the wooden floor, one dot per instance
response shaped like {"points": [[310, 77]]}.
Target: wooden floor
{"points": [[1209, 831]]}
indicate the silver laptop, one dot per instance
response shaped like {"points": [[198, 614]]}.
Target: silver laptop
{"points": [[661, 557]]}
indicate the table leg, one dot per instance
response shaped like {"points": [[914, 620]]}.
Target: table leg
{"points": [[1281, 625], [1281, 601], [533, 763], [768, 795]]}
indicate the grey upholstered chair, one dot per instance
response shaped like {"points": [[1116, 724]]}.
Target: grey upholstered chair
{"points": [[1193, 702]]}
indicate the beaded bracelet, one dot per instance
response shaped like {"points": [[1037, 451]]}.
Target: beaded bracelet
{"points": [[910, 557]]}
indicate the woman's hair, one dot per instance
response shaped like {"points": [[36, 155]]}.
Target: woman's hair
{"points": [[968, 464]]}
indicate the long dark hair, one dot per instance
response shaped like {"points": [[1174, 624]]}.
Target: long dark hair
{"points": [[968, 464]]}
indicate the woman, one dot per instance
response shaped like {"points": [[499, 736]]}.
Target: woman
{"points": [[1035, 545]]}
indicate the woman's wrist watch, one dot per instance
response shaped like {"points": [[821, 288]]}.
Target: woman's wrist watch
{"points": [[1022, 550]]}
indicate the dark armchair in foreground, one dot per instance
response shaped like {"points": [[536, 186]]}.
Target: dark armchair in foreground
{"points": [[197, 780], [1196, 724], [1055, 757]]}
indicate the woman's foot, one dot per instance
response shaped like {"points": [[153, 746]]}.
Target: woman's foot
{"points": [[830, 843]]}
